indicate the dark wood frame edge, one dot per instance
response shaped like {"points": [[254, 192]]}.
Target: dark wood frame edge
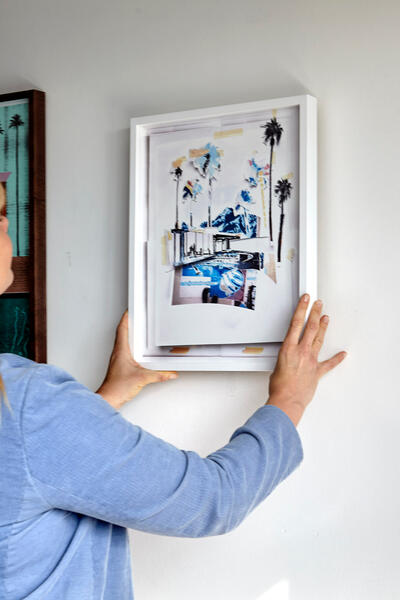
{"points": [[37, 219]]}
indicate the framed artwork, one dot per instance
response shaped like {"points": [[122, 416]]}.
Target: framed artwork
{"points": [[22, 185], [222, 232]]}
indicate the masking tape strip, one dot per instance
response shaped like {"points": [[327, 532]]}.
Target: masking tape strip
{"points": [[180, 350], [253, 350], [227, 133]]}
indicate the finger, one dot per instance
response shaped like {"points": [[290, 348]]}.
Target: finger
{"points": [[331, 363], [319, 338], [297, 322], [156, 376], [312, 324]]}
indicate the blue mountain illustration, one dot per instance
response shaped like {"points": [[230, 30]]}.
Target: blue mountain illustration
{"points": [[237, 220]]}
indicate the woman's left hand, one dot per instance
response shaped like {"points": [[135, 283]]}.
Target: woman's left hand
{"points": [[125, 377]]}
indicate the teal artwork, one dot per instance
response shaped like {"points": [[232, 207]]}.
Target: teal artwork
{"points": [[14, 158], [14, 324], [22, 188]]}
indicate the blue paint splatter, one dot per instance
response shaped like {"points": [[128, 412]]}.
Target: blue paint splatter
{"points": [[245, 196], [197, 189], [241, 221], [255, 170], [208, 163]]}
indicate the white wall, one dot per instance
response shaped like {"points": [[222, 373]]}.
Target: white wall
{"points": [[331, 530]]}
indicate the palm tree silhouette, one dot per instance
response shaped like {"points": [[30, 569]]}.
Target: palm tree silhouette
{"points": [[192, 190], [177, 174], [283, 189], [272, 135], [205, 170], [17, 122], [1, 130], [196, 191], [207, 162]]}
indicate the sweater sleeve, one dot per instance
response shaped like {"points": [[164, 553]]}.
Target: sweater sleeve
{"points": [[83, 456]]}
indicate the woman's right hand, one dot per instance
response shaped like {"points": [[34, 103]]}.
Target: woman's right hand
{"points": [[297, 372]]}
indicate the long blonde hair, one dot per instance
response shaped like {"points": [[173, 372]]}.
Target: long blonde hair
{"points": [[3, 393], [3, 396]]}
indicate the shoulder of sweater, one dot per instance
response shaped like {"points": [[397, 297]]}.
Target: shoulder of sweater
{"points": [[8, 359], [16, 371]]}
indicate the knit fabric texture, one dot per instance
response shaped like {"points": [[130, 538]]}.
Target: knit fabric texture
{"points": [[75, 474]]}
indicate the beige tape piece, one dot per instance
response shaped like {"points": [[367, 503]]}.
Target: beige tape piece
{"points": [[227, 133], [180, 350], [177, 163], [163, 250], [288, 176], [271, 267], [291, 254], [254, 350], [196, 152], [274, 112], [261, 182]]}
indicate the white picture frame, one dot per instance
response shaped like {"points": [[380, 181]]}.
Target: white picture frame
{"points": [[234, 357]]}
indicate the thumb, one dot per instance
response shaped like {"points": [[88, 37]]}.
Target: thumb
{"points": [[157, 376], [124, 319], [122, 333], [331, 363], [165, 375]]}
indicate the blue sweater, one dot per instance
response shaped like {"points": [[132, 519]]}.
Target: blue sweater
{"points": [[74, 474]]}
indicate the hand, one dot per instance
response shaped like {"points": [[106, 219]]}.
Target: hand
{"points": [[297, 371], [125, 377]]}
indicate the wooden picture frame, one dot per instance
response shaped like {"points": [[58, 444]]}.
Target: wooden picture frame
{"points": [[231, 357], [23, 304]]}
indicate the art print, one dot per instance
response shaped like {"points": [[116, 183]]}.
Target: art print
{"points": [[223, 237]]}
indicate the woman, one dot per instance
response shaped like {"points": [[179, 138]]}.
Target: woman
{"points": [[74, 474]]}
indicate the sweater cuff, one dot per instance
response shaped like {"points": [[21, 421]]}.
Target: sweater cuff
{"points": [[269, 412]]}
